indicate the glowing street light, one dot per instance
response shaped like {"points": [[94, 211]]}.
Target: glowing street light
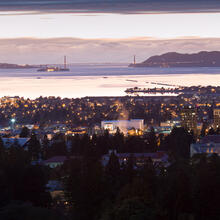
{"points": [[13, 120]]}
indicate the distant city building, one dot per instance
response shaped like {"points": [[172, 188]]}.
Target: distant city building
{"points": [[170, 123], [216, 115], [209, 144], [123, 125], [139, 158], [166, 127], [189, 119]]}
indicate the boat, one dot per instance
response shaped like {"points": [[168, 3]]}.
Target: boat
{"points": [[55, 69]]}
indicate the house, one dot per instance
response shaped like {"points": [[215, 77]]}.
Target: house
{"points": [[22, 142], [209, 144], [56, 190], [139, 158], [56, 161]]}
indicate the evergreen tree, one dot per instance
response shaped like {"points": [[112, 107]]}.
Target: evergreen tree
{"points": [[45, 148], [177, 198], [76, 144], [203, 130], [25, 132], [113, 176], [34, 147], [152, 141], [34, 187], [178, 143], [85, 189], [2, 151], [118, 140], [58, 146], [206, 188]]}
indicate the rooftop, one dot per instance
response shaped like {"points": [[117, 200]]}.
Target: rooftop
{"points": [[10, 141], [211, 138]]}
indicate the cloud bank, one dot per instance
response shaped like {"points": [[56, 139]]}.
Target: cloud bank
{"points": [[111, 6], [42, 51]]}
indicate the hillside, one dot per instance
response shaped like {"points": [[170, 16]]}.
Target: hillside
{"points": [[14, 66], [173, 59]]}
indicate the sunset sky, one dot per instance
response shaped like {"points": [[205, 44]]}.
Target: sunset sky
{"points": [[93, 31]]}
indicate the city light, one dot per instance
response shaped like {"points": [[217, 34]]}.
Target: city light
{"points": [[13, 120]]}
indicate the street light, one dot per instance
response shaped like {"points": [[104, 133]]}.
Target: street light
{"points": [[13, 120]]}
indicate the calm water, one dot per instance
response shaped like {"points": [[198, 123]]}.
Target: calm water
{"points": [[99, 80]]}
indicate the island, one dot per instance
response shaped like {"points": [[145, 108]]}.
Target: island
{"points": [[173, 59], [16, 66]]}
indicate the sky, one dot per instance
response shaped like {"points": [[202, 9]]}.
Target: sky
{"points": [[42, 31]]}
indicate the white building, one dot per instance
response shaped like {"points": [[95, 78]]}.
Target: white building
{"points": [[123, 125]]}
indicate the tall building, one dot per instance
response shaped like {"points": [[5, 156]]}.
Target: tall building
{"points": [[216, 115], [189, 119]]}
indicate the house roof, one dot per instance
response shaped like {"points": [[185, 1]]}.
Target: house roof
{"points": [[8, 142], [211, 138], [60, 159], [156, 155], [56, 159]]}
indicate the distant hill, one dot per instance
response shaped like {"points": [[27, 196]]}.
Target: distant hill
{"points": [[15, 66], [173, 59]]}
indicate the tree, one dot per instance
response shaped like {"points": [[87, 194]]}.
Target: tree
{"points": [[130, 209], [178, 143], [128, 171], [25, 132], [206, 187], [84, 188], [203, 130], [177, 195], [152, 141], [113, 176], [18, 210], [2, 151], [58, 146], [76, 144], [112, 169], [118, 140], [34, 147], [211, 131], [45, 148], [34, 187]]}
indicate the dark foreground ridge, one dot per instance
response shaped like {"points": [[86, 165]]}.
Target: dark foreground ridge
{"points": [[173, 59]]}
